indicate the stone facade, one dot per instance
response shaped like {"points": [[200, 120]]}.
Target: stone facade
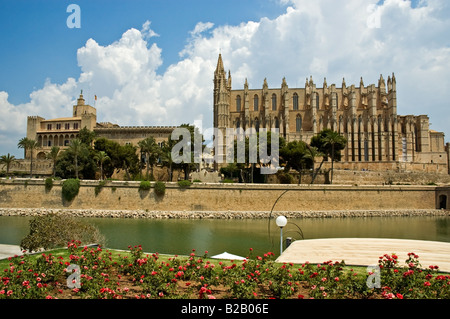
{"points": [[365, 115]]}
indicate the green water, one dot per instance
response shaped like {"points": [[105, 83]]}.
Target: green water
{"points": [[178, 236]]}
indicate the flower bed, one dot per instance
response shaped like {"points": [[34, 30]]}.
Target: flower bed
{"points": [[95, 273]]}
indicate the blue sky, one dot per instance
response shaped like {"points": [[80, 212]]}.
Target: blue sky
{"points": [[39, 45], [151, 62]]}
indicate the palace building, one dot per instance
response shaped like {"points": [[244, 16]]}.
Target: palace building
{"points": [[60, 131], [378, 138]]}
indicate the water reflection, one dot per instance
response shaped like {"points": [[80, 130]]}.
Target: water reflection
{"points": [[175, 236]]}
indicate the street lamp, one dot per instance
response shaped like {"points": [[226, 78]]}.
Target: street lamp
{"points": [[281, 222]]}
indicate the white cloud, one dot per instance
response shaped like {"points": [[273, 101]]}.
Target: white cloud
{"points": [[321, 38]]}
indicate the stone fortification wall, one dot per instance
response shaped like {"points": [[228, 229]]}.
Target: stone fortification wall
{"points": [[126, 196]]}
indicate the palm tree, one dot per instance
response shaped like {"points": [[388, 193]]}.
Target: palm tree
{"points": [[152, 152], [311, 154], [166, 157], [7, 160], [101, 157], [336, 142], [76, 147], [53, 155], [28, 144]]}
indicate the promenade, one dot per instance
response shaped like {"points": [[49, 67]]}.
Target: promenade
{"points": [[366, 251]]}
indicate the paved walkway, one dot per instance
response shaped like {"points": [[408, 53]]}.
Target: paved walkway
{"points": [[366, 251], [9, 251]]}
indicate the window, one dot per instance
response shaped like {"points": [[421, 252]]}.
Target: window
{"points": [[317, 101], [238, 123], [274, 102], [67, 126], [49, 127], [238, 103], [298, 124], [295, 101], [75, 126], [58, 126], [255, 102], [277, 123]]}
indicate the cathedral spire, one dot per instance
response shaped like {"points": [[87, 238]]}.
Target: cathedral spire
{"points": [[220, 69]]}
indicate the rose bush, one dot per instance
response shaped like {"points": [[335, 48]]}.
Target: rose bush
{"points": [[103, 274]]}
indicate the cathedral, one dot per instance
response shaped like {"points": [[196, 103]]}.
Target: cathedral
{"points": [[378, 138]]}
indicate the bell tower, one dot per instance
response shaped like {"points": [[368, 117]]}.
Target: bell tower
{"points": [[222, 93]]}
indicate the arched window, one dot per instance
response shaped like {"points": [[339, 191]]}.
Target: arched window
{"points": [[295, 101], [274, 102], [238, 103], [298, 124], [317, 101], [255, 102]]}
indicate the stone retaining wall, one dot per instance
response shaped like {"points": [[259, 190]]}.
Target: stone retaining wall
{"points": [[206, 198]]}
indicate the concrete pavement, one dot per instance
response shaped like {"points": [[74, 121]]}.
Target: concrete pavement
{"points": [[366, 251], [9, 251]]}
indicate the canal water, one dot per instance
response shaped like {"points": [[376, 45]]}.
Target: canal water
{"points": [[181, 236]]}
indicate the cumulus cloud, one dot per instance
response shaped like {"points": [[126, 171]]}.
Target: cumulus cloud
{"points": [[321, 38]]}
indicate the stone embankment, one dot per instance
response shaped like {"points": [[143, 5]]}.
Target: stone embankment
{"points": [[95, 213]]}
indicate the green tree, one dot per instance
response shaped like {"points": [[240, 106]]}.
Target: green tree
{"points": [[28, 145], [296, 155], [330, 143], [53, 155], [7, 160], [77, 161], [101, 157], [121, 157]]}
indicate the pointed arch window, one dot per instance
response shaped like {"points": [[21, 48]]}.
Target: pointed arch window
{"points": [[255, 102], [295, 101], [298, 123], [317, 101], [238, 103], [274, 102]]}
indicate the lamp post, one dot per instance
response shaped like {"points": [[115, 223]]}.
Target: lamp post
{"points": [[281, 222]]}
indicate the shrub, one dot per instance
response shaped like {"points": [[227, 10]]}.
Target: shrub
{"points": [[145, 186], [99, 187], [48, 184], [160, 188], [70, 188], [56, 230], [284, 178], [184, 183]]}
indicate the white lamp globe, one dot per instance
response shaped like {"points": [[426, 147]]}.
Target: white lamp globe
{"points": [[281, 221]]}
